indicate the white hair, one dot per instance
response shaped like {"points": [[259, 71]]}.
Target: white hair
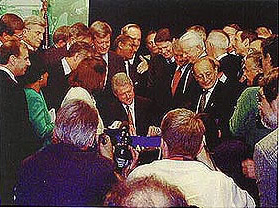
{"points": [[218, 39], [192, 39]]}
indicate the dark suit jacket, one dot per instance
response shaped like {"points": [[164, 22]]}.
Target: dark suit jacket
{"points": [[231, 66], [17, 139], [57, 86], [143, 114], [53, 55], [115, 65], [139, 80], [63, 175], [160, 75], [188, 97], [220, 106]]}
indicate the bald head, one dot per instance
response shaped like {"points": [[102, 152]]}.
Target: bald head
{"points": [[217, 43]]}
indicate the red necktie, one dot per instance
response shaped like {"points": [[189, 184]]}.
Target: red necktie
{"points": [[176, 78]]}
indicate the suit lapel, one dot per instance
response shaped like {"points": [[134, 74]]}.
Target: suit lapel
{"points": [[213, 97]]}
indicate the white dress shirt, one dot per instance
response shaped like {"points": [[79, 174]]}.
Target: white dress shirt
{"points": [[66, 66], [207, 96], [106, 59], [2, 68]]}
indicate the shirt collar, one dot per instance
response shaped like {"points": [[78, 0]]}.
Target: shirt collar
{"points": [[221, 56], [31, 48], [131, 106], [2, 68], [105, 57], [66, 66], [131, 61]]}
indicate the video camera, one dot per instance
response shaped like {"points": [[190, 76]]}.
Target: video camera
{"points": [[121, 140]]}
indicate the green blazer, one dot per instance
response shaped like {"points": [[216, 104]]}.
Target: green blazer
{"points": [[39, 115]]}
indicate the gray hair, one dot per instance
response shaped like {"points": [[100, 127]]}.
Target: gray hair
{"points": [[192, 39], [219, 39], [34, 20], [76, 123]]}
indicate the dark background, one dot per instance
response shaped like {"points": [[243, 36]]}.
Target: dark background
{"points": [[178, 15]]}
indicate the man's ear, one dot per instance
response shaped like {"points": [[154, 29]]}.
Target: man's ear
{"points": [[12, 59], [120, 45], [165, 149]]}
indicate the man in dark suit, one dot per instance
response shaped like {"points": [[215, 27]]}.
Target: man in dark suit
{"points": [[184, 87], [58, 50], [217, 45], [138, 77], [136, 110], [59, 72], [17, 139], [101, 34], [216, 99], [161, 71]]}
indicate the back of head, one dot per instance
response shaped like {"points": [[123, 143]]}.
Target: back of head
{"points": [[79, 32], [163, 35], [89, 74], [120, 79], [270, 84], [219, 39], [270, 46], [100, 29], [80, 47], [192, 39], [145, 192], [36, 70], [182, 130], [61, 33], [12, 21], [10, 48], [198, 29], [248, 34], [76, 124]]}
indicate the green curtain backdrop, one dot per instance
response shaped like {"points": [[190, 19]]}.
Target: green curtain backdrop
{"points": [[60, 12]]}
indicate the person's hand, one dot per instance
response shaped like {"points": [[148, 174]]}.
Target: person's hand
{"points": [[132, 130], [248, 168], [143, 65], [154, 131], [105, 146], [134, 162]]}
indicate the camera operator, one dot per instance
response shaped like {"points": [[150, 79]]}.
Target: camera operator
{"points": [[72, 172]]}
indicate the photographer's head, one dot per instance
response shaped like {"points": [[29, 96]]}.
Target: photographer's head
{"points": [[123, 88], [76, 124], [145, 192], [269, 99], [182, 132]]}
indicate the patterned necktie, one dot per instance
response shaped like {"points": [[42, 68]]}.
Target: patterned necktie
{"points": [[176, 78], [202, 102], [130, 120]]}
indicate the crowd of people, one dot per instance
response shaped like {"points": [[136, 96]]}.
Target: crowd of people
{"points": [[211, 96]]}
